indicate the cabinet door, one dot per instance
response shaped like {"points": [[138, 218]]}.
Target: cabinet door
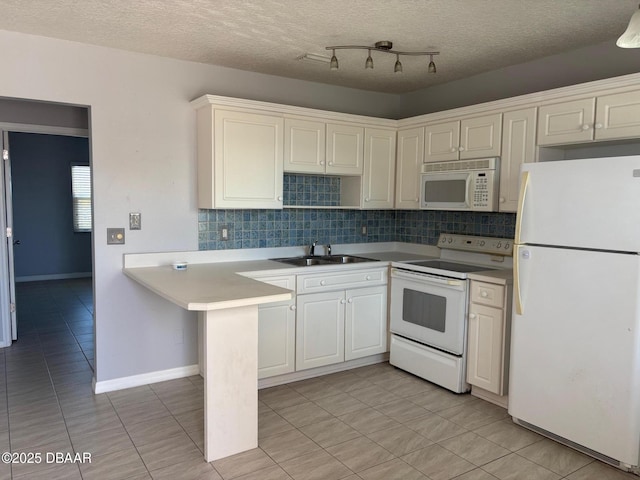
{"points": [[304, 146], [518, 147], [319, 329], [366, 322], [442, 142], [567, 122], [344, 149], [485, 348], [276, 338], [408, 163], [379, 168], [480, 137], [248, 160], [618, 116]]}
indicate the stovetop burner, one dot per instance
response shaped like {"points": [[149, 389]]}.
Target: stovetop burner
{"points": [[450, 266]]}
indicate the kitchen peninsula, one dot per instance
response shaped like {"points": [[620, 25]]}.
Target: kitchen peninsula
{"points": [[227, 306]]}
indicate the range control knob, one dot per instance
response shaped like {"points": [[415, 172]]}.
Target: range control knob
{"points": [[450, 240], [482, 242], [499, 245], [443, 240], [507, 245]]}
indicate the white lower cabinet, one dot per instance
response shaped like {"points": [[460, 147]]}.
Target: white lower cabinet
{"points": [[365, 322], [342, 323], [488, 337], [277, 332], [320, 330]]}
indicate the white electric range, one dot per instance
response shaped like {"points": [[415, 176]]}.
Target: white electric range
{"points": [[429, 301]]}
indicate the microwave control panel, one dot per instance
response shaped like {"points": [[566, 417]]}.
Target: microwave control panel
{"points": [[481, 193]]}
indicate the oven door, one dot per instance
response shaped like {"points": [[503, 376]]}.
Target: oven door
{"points": [[446, 191], [429, 309]]}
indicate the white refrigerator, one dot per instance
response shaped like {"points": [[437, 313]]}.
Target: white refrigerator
{"points": [[575, 345]]}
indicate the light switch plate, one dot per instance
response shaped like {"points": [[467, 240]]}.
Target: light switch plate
{"points": [[115, 236], [135, 221]]}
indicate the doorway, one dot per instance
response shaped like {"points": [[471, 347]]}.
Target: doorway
{"points": [[51, 216]]}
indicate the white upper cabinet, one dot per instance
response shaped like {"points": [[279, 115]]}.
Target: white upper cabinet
{"points": [[240, 159], [304, 146], [442, 142], [345, 154], [607, 117], [518, 147], [408, 162], [566, 122], [379, 168], [459, 140], [618, 116]]}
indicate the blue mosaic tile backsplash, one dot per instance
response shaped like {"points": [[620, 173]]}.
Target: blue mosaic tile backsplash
{"points": [[293, 227], [296, 227], [316, 190]]}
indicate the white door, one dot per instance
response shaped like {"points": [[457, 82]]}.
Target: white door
{"points": [[485, 347], [429, 309], [366, 322], [588, 203], [566, 122], [408, 164], [480, 137], [345, 154], [379, 168], [248, 160], [319, 329], [618, 116], [518, 147], [442, 142], [276, 338], [574, 347], [304, 146], [8, 326]]}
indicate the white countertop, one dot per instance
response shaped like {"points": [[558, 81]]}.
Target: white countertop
{"points": [[211, 283], [210, 286], [501, 277]]}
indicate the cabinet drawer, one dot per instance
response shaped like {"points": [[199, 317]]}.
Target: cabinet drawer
{"points": [[487, 294], [340, 280]]}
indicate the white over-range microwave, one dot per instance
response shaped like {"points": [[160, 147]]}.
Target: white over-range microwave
{"points": [[460, 185]]}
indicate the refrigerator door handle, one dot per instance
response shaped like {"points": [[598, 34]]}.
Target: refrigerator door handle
{"points": [[516, 280], [524, 185]]}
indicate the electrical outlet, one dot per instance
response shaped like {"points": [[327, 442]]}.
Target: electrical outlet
{"points": [[224, 233], [115, 236], [363, 230], [135, 221]]}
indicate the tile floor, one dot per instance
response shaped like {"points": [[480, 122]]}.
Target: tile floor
{"points": [[371, 423]]}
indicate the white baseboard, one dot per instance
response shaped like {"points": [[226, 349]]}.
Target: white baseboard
{"points": [[144, 379], [55, 276]]}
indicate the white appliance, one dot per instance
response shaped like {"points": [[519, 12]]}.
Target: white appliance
{"points": [[575, 339], [460, 185], [429, 300]]}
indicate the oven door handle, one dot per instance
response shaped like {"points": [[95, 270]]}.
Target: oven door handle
{"points": [[426, 278]]}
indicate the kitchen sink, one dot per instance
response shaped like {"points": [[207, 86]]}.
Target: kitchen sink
{"points": [[309, 260]]}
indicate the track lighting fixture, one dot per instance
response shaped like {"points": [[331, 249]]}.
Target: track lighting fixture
{"points": [[385, 47]]}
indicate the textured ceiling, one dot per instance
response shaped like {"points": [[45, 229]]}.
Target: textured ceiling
{"points": [[267, 36]]}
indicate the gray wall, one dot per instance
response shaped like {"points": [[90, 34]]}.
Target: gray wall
{"points": [[42, 208], [596, 62], [41, 113]]}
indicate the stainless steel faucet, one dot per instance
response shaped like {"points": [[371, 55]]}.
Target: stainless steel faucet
{"points": [[312, 248]]}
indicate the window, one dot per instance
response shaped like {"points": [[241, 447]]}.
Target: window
{"points": [[81, 192]]}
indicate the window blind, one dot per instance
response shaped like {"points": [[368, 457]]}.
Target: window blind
{"points": [[81, 192]]}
